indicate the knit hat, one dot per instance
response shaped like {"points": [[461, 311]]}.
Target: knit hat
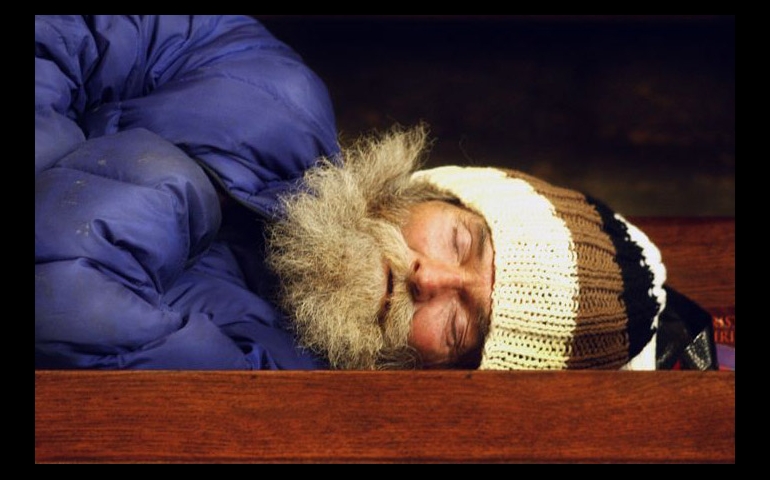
{"points": [[576, 285]]}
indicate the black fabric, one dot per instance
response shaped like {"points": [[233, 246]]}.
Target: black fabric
{"points": [[685, 335], [641, 306]]}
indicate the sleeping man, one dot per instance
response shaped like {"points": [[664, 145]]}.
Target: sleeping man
{"points": [[195, 210]]}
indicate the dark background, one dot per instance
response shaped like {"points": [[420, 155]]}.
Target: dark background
{"points": [[636, 110]]}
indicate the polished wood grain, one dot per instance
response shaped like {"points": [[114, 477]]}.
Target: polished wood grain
{"points": [[423, 416], [427, 416], [699, 254]]}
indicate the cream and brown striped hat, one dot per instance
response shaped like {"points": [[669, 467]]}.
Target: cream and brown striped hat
{"points": [[576, 285]]}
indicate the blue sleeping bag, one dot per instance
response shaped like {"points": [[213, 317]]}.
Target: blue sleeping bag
{"points": [[142, 123]]}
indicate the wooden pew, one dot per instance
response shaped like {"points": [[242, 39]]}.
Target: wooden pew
{"points": [[403, 417], [699, 254]]}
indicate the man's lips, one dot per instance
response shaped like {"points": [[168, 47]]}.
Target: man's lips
{"points": [[385, 302]]}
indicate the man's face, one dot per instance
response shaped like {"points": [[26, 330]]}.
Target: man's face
{"points": [[450, 281], [377, 269]]}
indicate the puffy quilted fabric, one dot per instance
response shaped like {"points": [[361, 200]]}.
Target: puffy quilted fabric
{"points": [[136, 119]]}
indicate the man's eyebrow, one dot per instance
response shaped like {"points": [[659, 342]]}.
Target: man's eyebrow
{"points": [[482, 234]]}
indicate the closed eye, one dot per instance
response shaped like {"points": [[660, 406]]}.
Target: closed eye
{"points": [[456, 243], [460, 331]]}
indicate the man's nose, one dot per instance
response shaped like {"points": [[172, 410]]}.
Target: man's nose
{"points": [[429, 279]]}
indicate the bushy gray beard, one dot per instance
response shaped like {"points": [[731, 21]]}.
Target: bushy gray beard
{"points": [[329, 250]]}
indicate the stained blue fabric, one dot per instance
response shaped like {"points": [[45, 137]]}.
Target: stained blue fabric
{"points": [[136, 119]]}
